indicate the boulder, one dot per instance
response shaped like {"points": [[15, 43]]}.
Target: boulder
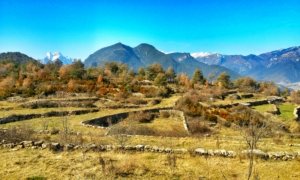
{"points": [[109, 147], [38, 143], [27, 144], [168, 150], [77, 147], [257, 152], [45, 145], [155, 149], [231, 154], [55, 147], [161, 149], [201, 151], [210, 152], [220, 152], [147, 148], [20, 146], [129, 148], [139, 147], [69, 147], [91, 147], [9, 145]]}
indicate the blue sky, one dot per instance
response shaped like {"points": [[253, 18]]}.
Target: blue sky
{"points": [[78, 28]]}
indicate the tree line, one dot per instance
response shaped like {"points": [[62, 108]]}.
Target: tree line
{"points": [[31, 78]]}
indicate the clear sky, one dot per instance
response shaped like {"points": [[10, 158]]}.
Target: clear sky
{"points": [[78, 28]]}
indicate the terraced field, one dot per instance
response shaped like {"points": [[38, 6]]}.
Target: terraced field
{"points": [[163, 130]]}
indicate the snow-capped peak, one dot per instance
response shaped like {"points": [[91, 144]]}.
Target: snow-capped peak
{"points": [[200, 54], [51, 57]]}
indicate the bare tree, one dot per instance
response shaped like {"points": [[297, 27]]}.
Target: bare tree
{"points": [[252, 131], [65, 129]]}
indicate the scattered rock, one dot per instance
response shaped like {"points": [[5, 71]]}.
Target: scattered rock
{"points": [[257, 153], [139, 147], [168, 150], [200, 151], [27, 144], [45, 145], [69, 147], [38, 143], [55, 147]]}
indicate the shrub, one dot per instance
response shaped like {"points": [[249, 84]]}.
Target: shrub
{"points": [[165, 114], [164, 92], [136, 100], [155, 101], [17, 134], [189, 105], [212, 118], [198, 127]]}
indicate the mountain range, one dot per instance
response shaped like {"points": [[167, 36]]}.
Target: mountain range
{"points": [[281, 66], [146, 54]]}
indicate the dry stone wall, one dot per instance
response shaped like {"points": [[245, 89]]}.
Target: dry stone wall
{"points": [[22, 117], [57, 147]]}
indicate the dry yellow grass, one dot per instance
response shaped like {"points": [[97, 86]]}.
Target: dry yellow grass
{"points": [[23, 164]]}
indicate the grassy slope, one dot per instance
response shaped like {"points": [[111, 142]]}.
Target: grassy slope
{"points": [[264, 108], [287, 110], [77, 165]]}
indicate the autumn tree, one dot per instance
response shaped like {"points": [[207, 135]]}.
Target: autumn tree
{"points": [[73, 71], [77, 70], [184, 80], [246, 84], [198, 77], [160, 80], [7, 86], [295, 97], [141, 73], [268, 88], [52, 68], [170, 75], [224, 80], [153, 70]]}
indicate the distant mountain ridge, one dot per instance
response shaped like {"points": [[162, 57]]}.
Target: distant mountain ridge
{"points": [[16, 57], [281, 66], [146, 54]]}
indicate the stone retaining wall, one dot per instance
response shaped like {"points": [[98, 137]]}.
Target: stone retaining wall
{"points": [[297, 113], [58, 103], [56, 147], [106, 121], [22, 117], [271, 100]]}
